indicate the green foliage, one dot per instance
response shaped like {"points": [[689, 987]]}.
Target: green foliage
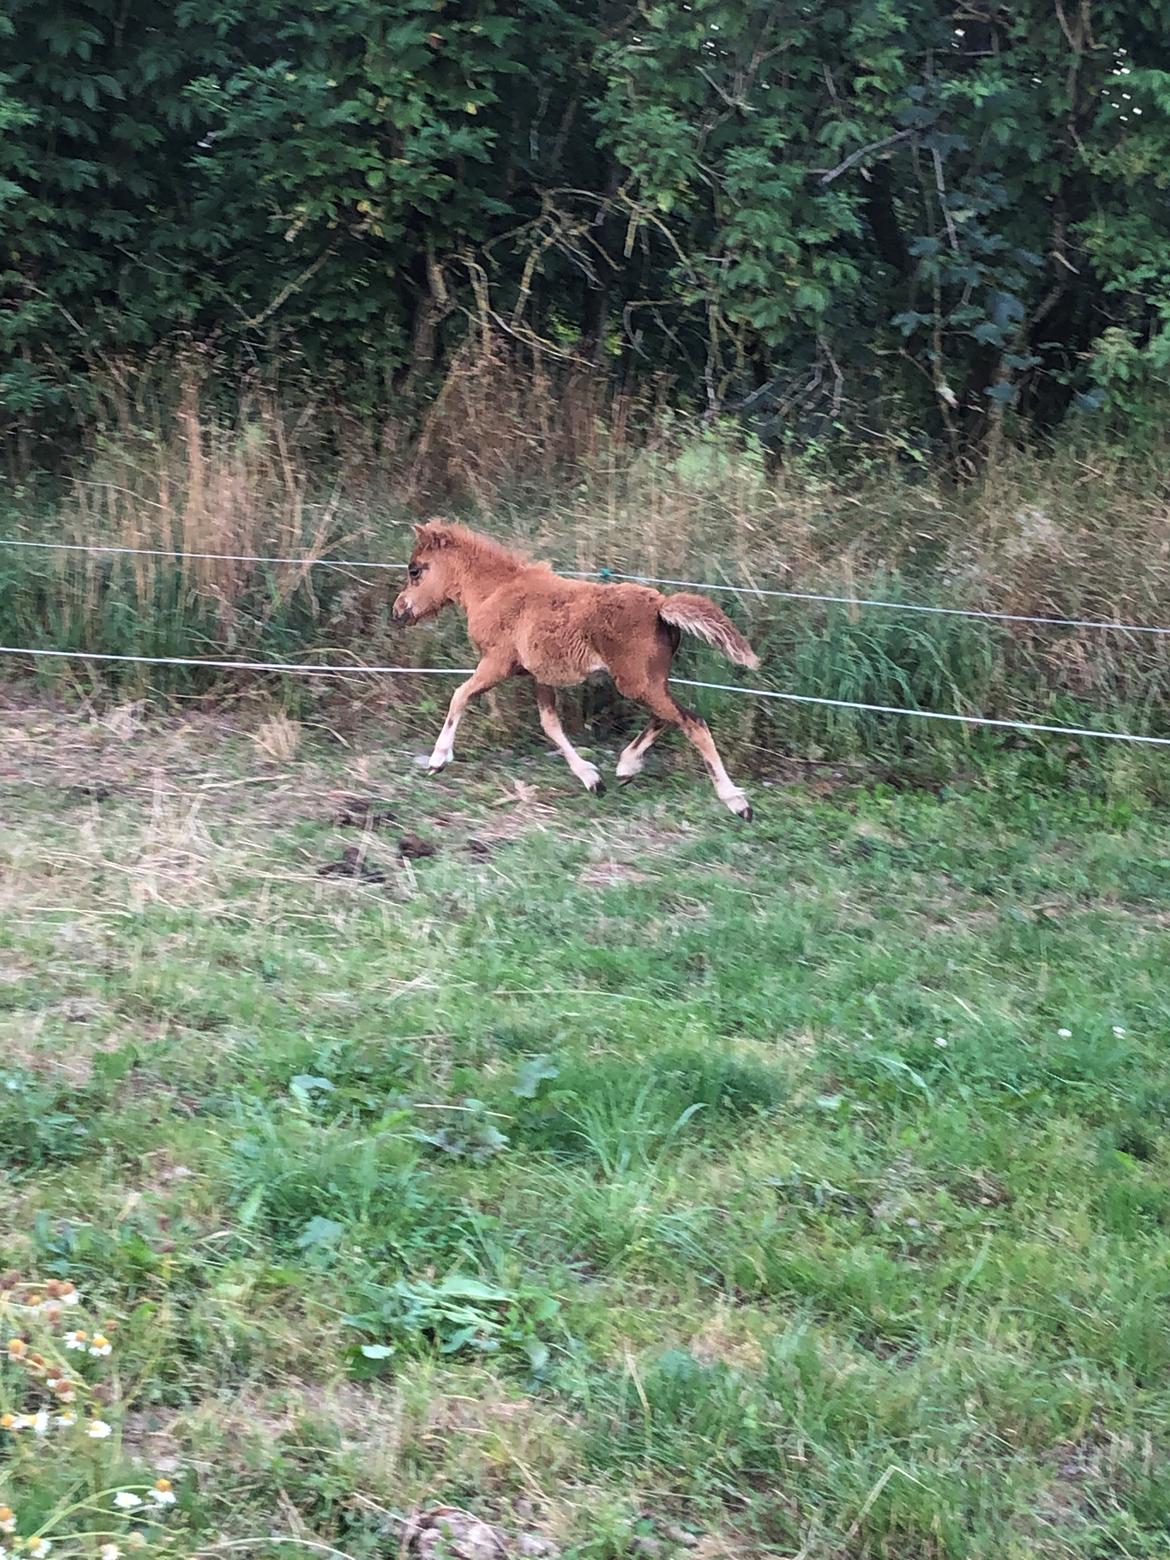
{"points": [[455, 1314], [39, 1125], [875, 214]]}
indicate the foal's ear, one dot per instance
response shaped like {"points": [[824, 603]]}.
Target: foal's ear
{"points": [[433, 533]]}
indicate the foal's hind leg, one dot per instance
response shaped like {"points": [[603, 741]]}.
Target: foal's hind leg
{"points": [[588, 774], [633, 755], [659, 700]]}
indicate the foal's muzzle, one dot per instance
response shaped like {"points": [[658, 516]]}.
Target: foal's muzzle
{"points": [[401, 611]]}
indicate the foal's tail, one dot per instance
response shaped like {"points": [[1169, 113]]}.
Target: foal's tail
{"points": [[696, 615]]}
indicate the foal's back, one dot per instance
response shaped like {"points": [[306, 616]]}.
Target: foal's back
{"points": [[562, 630]]}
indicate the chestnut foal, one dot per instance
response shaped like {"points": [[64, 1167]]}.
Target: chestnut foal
{"points": [[523, 618]]}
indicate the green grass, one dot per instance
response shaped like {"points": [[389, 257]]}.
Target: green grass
{"points": [[802, 1188]]}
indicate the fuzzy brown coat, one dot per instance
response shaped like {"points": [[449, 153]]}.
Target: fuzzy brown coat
{"points": [[526, 620]]}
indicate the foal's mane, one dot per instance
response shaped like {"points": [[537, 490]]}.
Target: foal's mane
{"points": [[473, 546]]}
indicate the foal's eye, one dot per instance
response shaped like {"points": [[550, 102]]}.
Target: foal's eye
{"points": [[414, 574]]}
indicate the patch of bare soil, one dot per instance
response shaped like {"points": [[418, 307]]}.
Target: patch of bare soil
{"points": [[449, 1533], [95, 756], [152, 1436], [414, 848], [14, 970], [352, 865], [364, 812], [516, 813], [1083, 1468], [723, 1340]]}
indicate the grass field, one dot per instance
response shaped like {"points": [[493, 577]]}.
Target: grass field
{"points": [[629, 1179]]}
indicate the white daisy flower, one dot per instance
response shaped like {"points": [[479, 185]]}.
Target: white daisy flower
{"points": [[163, 1494], [38, 1548], [76, 1340], [109, 1552], [1065, 1034], [100, 1345], [66, 1421], [40, 1422], [7, 1520], [98, 1430], [126, 1500]]}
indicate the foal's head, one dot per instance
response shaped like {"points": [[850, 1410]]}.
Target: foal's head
{"points": [[432, 575]]}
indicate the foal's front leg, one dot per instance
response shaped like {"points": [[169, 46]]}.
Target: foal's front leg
{"points": [[486, 675], [588, 774]]}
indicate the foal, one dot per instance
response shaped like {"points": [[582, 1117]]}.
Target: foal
{"points": [[523, 618]]}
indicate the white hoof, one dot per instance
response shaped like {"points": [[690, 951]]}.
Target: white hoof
{"points": [[737, 802], [627, 768], [590, 777], [432, 762]]}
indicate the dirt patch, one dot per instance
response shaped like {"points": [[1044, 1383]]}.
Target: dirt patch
{"points": [[14, 970], [449, 1533], [679, 908], [813, 776], [96, 758], [70, 1064], [163, 1175], [151, 1435], [364, 812], [517, 812], [723, 1340], [980, 1189], [414, 848], [352, 865], [229, 1427], [1082, 1467], [360, 1413], [79, 1010]]}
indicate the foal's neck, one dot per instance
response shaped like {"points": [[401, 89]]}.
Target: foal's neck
{"points": [[482, 571]]}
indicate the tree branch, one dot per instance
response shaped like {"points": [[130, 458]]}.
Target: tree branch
{"points": [[827, 177]]}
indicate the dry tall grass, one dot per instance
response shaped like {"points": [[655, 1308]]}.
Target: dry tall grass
{"points": [[598, 478], [590, 480]]}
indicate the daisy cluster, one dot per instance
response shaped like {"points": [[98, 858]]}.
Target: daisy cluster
{"points": [[50, 1406]]}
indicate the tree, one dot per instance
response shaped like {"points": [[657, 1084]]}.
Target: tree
{"points": [[912, 218]]}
